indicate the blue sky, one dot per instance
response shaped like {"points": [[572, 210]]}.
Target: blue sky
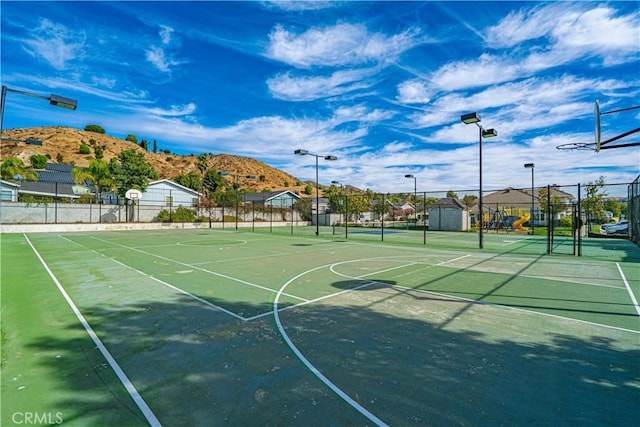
{"points": [[380, 85]]}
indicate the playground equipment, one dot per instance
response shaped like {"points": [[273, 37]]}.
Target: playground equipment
{"points": [[506, 219], [518, 223]]}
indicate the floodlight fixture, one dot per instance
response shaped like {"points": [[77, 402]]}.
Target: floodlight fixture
{"points": [[63, 102], [489, 133], [470, 118], [57, 100], [301, 152]]}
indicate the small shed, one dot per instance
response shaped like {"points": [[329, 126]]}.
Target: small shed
{"points": [[449, 214]]}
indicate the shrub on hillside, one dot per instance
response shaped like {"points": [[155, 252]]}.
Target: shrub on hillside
{"points": [[94, 128]]}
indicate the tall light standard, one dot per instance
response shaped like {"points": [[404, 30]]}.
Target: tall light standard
{"points": [[483, 133], [415, 196], [301, 152], [235, 186], [343, 205], [57, 100], [532, 167]]}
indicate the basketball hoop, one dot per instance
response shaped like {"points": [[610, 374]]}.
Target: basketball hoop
{"points": [[599, 144], [585, 146], [133, 194]]}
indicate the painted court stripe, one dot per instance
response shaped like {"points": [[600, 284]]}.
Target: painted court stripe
{"points": [[626, 284], [146, 411], [344, 396]]}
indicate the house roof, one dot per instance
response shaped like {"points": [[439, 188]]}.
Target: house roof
{"points": [[448, 202], [508, 196], [59, 167], [55, 176], [172, 184], [268, 195], [51, 189]]}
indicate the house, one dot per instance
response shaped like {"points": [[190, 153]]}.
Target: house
{"points": [[276, 199], [517, 202], [403, 209], [56, 181], [449, 214], [167, 193], [9, 191]]}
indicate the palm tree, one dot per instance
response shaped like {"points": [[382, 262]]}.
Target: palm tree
{"points": [[14, 168], [98, 173]]}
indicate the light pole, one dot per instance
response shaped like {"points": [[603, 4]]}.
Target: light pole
{"points": [[57, 100], [301, 152], [532, 167], [483, 133], [235, 186], [415, 196]]}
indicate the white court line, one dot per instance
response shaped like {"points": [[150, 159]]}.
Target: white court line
{"points": [[175, 288], [198, 268], [453, 260], [160, 281], [306, 361], [146, 411], [626, 284]]}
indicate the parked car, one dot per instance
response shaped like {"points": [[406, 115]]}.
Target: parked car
{"points": [[621, 227]]}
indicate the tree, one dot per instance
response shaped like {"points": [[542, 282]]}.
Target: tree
{"points": [[144, 144], [14, 168], [38, 161], [469, 200], [357, 204], [94, 128], [131, 138], [211, 181], [452, 194], [131, 170], [98, 173], [592, 205], [556, 202], [613, 206], [203, 163], [304, 208], [308, 189], [155, 146], [191, 180]]}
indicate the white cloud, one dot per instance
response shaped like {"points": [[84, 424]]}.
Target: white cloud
{"points": [[413, 92], [55, 43], [162, 60], [339, 45], [166, 34], [309, 88]]}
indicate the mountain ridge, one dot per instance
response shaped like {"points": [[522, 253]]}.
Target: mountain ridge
{"points": [[62, 145]]}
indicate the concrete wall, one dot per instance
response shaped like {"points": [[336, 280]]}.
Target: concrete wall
{"points": [[73, 213]]}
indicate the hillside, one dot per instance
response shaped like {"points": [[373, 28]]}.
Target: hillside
{"points": [[63, 143]]}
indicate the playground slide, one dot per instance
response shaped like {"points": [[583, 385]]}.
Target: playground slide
{"points": [[518, 223]]}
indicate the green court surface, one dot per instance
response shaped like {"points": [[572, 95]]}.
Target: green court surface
{"points": [[217, 327]]}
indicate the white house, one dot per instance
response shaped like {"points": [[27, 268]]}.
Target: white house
{"points": [[9, 191], [167, 193]]}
